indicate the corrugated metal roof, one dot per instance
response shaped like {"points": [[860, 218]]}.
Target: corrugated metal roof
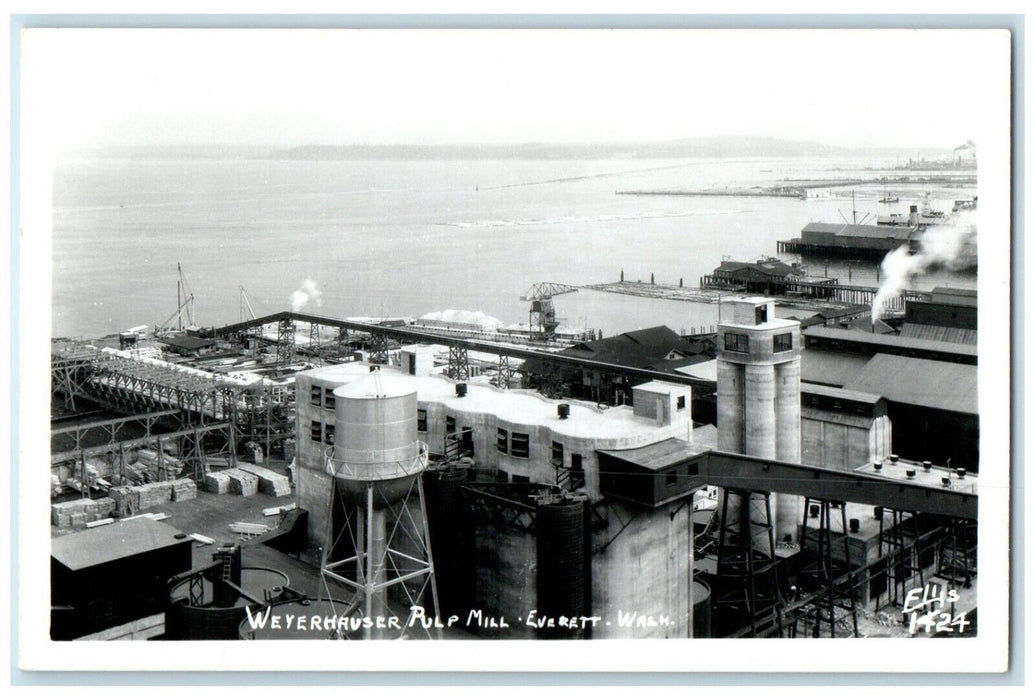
{"points": [[121, 539], [831, 368], [860, 336], [900, 233], [656, 456], [773, 267], [944, 334], [946, 386], [838, 393]]}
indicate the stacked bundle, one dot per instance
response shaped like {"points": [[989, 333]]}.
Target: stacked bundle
{"points": [[269, 481], [152, 495], [78, 513], [217, 482], [184, 490], [243, 483]]}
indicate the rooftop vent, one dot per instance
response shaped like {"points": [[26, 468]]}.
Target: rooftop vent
{"points": [[853, 525], [563, 411], [878, 512], [461, 390], [961, 472], [877, 466], [813, 511], [911, 473], [927, 466], [893, 458], [946, 481]]}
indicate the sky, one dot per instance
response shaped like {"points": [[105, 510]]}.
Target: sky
{"points": [[878, 88]]}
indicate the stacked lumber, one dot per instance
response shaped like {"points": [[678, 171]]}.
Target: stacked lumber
{"points": [[217, 482], [130, 499], [184, 490], [252, 529], [79, 512], [242, 483], [269, 481]]}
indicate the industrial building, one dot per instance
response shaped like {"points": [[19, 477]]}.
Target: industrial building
{"points": [[635, 550], [419, 485]]}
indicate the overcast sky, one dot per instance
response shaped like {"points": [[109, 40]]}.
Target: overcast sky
{"points": [[898, 88]]}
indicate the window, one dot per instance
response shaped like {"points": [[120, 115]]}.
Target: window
{"points": [[671, 478], [782, 342], [761, 314], [316, 432], [328, 399], [519, 445], [736, 342], [315, 394], [518, 479], [680, 403], [578, 476], [328, 434], [557, 454], [501, 440], [502, 476], [450, 425], [422, 420]]}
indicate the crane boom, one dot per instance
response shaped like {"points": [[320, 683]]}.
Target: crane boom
{"points": [[547, 290]]}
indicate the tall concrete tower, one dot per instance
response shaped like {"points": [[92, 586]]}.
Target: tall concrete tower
{"points": [[759, 391]]}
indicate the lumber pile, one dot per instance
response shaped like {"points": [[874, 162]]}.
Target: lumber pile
{"points": [[269, 481], [79, 512], [242, 483], [184, 489], [217, 482]]}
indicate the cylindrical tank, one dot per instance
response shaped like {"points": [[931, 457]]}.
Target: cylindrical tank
{"points": [[376, 437], [701, 598], [730, 390], [450, 538], [560, 563], [759, 411], [218, 619]]}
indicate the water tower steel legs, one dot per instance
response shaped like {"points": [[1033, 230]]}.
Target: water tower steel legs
{"points": [[377, 566]]}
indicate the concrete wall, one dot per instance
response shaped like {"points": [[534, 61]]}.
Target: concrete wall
{"points": [[644, 570]]}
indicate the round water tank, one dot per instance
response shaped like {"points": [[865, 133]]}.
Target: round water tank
{"points": [[376, 436]]}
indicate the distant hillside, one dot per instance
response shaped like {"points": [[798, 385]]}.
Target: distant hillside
{"points": [[703, 147], [726, 146]]}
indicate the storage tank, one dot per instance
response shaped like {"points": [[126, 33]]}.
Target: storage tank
{"points": [[377, 463], [561, 565], [701, 597], [376, 437]]}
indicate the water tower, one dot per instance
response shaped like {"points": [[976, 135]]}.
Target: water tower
{"points": [[377, 540]]}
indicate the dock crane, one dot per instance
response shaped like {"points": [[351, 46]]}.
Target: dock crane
{"points": [[542, 319]]}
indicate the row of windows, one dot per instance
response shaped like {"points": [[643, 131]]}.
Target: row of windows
{"points": [[322, 433], [738, 342], [518, 443], [320, 396]]}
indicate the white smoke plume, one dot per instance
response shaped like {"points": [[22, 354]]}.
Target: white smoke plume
{"points": [[304, 294], [952, 245]]}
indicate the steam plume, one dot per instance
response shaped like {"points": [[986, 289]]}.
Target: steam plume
{"points": [[952, 245], [304, 294]]}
